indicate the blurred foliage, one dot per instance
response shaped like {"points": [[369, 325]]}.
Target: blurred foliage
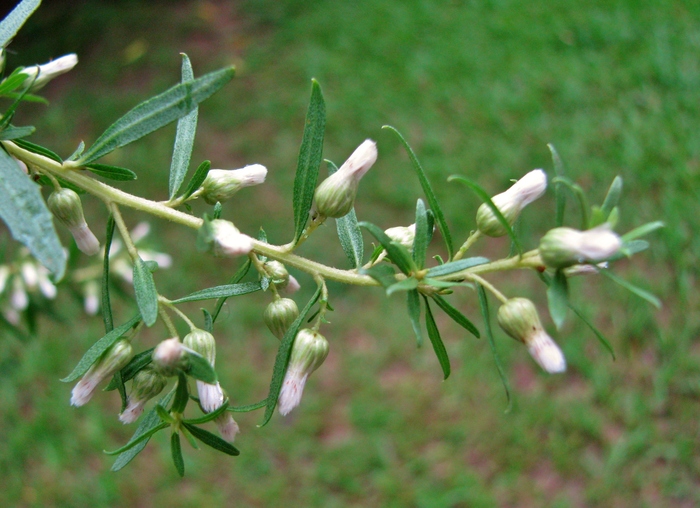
{"points": [[478, 88]]}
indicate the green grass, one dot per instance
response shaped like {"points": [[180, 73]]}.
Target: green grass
{"points": [[477, 88]]}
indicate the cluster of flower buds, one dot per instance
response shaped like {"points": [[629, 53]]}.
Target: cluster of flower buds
{"points": [[511, 202], [564, 247], [518, 317], [309, 351], [48, 71], [111, 361], [66, 206], [279, 316], [221, 184], [21, 280], [335, 197]]}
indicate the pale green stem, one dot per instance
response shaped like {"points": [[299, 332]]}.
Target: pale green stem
{"points": [[124, 232], [260, 267], [323, 301], [168, 323], [488, 286], [473, 237], [177, 311]]}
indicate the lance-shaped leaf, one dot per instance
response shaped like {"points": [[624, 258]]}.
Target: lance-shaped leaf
{"points": [[310, 157], [484, 196], [111, 172], [642, 230], [146, 294], [456, 266], [403, 285], [413, 303], [577, 191], [436, 341], [176, 453], [13, 132], [224, 291], [349, 232], [212, 440], [137, 440], [248, 407], [14, 21], [457, 316], [30, 222], [282, 359], [428, 191], [197, 179], [150, 424], [184, 137], [422, 237], [209, 416], [106, 303], [558, 298], [200, 368], [13, 81], [237, 277], [182, 394], [394, 251], [156, 113], [559, 194], [99, 347], [384, 274], [41, 150], [601, 338], [646, 295], [484, 306], [613, 196]]}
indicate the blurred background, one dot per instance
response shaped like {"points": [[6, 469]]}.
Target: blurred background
{"points": [[478, 88]]}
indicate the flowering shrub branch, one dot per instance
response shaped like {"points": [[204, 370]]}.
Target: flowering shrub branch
{"points": [[398, 264]]}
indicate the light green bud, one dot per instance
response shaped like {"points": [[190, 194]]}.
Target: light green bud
{"points": [[279, 316], [278, 273], [201, 342], [147, 383], [564, 247], [111, 361], [65, 205], [221, 184]]}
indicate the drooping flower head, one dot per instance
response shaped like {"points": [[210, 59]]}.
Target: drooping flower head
{"points": [[66, 207], [147, 383], [279, 316], [563, 247], [309, 351], [112, 360]]}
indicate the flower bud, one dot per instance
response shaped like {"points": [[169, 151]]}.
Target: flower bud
{"points": [[201, 342], [147, 383], [228, 240], [335, 196], [279, 316], [48, 71], [562, 247], [66, 207], [404, 235], [169, 356], [511, 202], [278, 273], [518, 317], [228, 428], [111, 361], [293, 286], [309, 351], [222, 184]]}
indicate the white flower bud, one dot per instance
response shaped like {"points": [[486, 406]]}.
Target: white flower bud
{"points": [[228, 240], [48, 71], [405, 235], [518, 317], [19, 298], [112, 360], [91, 297], [147, 383], [511, 202], [168, 356], [292, 286], [47, 288], [222, 184], [228, 428], [563, 247], [335, 196], [309, 350]]}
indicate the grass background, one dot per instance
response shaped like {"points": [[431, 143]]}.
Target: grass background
{"points": [[478, 88]]}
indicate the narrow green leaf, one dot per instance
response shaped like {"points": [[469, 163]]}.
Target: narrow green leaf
{"points": [[580, 195], [646, 295], [349, 232], [599, 335], [456, 266], [146, 294], [444, 284], [106, 304], [394, 251], [157, 112], [630, 249], [559, 195], [558, 298], [421, 238], [16, 132], [23, 209], [484, 306], [78, 152], [99, 347], [208, 321], [119, 383], [428, 191], [200, 368], [282, 359], [436, 341], [247, 408], [403, 285], [384, 274], [176, 453], [224, 291], [413, 301], [148, 422], [111, 172], [132, 368], [182, 394], [164, 414], [237, 277], [209, 416], [14, 21], [457, 316], [613, 196], [34, 148], [184, 137], [26, 97], [197, 179], [212, 440], [484, 196], [642, 230], [145, 436], [13, 81]]}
